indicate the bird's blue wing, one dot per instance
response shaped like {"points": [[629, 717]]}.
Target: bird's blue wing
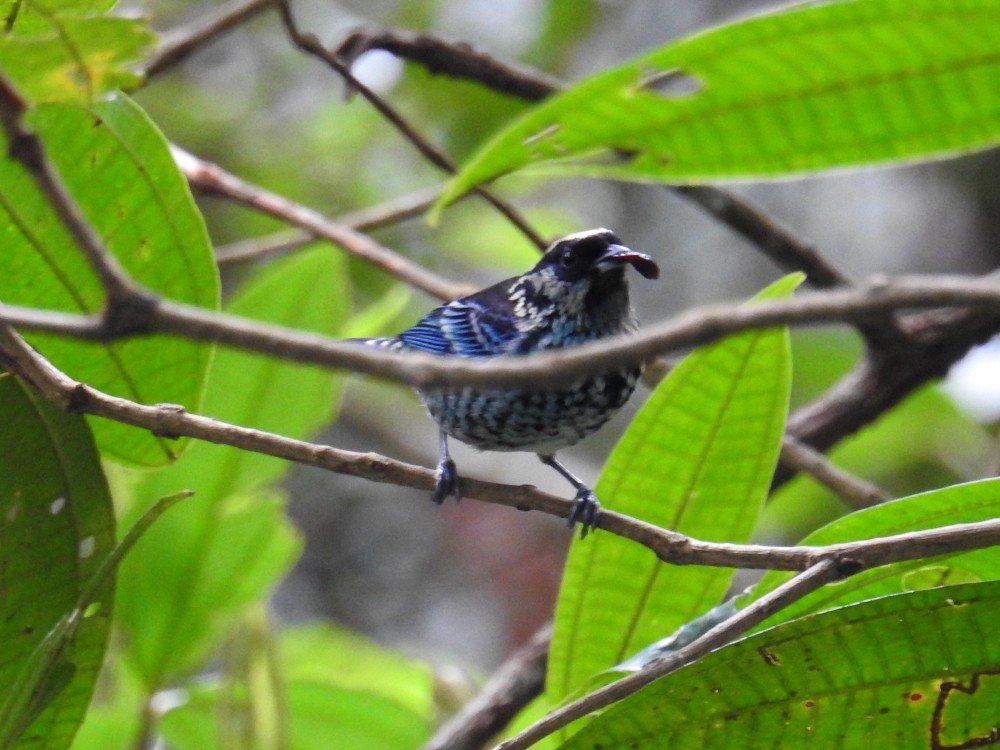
{"points": [[427, 335], [480, 325]]}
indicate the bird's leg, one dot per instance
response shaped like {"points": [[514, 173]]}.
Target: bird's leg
{"points": [[586, 508], [446, 480]]}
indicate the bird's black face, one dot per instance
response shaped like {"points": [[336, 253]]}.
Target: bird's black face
{"points": [[589, 254]]}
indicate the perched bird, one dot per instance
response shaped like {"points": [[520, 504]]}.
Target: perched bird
{"points": [[575, 294]]}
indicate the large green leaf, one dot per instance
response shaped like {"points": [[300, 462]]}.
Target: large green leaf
{"points": [[697, 458], [118, 168], [56, 525], [904, 672], [964, 503], [69, 51], [809, 87], [228, 545]]}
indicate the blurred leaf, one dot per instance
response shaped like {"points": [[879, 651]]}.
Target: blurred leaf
{"points": [[320, 717], [193, 572], [821, 356], [230, 543], [73, 58], [26, 17], [566, 22], [804, 88], [113, 719], [338, 690], [330, 655], [56, 525], [907, 671], [697, 458], [964, 503], [376, 317], [116, 165]]}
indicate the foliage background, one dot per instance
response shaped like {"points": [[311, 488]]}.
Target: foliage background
{"points": [[470, 582], [459, 586]]}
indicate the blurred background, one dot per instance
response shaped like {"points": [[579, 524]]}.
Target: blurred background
{"points": [[463, 585]]}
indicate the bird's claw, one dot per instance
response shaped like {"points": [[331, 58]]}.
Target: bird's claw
{"points": [[586, 511], [446, 482]]}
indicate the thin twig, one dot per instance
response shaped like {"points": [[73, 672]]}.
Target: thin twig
{"points": [[209, 176], [804, 583], [884, 377], [455, 59], [309, 44], [551, 368], [177, 44], [856, 492], [511, 687], [172, 421], [385, 214]]}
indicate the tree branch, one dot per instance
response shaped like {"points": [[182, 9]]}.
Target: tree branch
{"points": [[177, 44], [455, 59], [856, 492], [312, 46], [386, 214], [172, 421], [511, 687], [548, 369], [211, 177]]}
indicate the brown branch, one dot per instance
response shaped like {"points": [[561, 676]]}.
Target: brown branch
{"points": [[775, 241], [386, 214], [309, 44], [211, 177], [510, 688], [455, 59], [172, 421], [176, 45], [856, 492], [884, 377], [551, 368]]}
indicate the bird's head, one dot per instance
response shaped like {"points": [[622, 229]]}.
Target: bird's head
{"points": [[591, 254]]}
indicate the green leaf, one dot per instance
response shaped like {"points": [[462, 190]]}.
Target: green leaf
{"points": [[964, 503], [805, 88], [56, 525], [330, 655], [320, 717], [30, 17], [228, 545], [697, 458], [117, 166], [71, 58], [338, 689], [191, 574], [908, 671]]}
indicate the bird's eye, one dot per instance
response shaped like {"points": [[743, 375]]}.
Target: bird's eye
{"points": [[568, 259]]}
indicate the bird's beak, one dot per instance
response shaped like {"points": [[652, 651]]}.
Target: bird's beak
{"points": [[618, 254]]}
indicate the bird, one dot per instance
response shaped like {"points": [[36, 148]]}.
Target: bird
{"points": [[575, 294]]}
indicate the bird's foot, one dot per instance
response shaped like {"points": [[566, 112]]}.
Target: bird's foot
{"points": [[446, 482], [586, 511]]}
